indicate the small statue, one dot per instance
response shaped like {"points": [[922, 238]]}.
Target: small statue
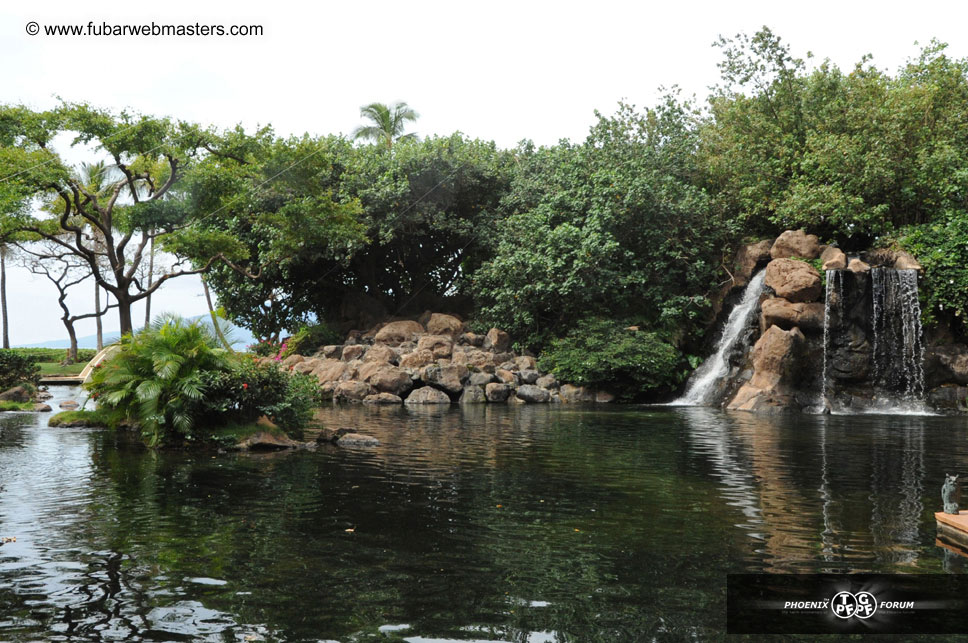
{"points": [[951, 493]]}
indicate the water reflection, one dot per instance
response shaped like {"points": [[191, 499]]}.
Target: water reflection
{"points": [[483, 523]]}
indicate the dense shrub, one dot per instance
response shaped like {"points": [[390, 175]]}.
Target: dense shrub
{"points": [[942, 249], [603, 353], [17, 369], [249, 390], [265, 348], [176, 384], [53, 354]]}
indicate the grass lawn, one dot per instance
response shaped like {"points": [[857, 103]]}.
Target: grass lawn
{"points": [[49, 369]]}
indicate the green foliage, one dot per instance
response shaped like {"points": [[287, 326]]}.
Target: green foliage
{"points": [[158, 378], [53, 354], [248, 390], [16, 406], [602, 353], [17, 369], [307, 340], [388, 123], [614, 225], [265, 348], [851, 155], [942, 249], [176, 384], [98, 418]]}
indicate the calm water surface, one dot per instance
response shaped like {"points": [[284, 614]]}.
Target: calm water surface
{"points": [[525, 524]]}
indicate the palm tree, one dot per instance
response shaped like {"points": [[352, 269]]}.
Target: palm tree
{"points": [[388, 123], [3, 294]]}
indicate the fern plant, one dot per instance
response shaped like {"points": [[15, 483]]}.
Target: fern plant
{"points": [[157, 378]]}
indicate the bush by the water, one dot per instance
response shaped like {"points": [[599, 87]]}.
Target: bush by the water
{"points": [[603, 353], [174, 382], [53, 354], [17, 369]]}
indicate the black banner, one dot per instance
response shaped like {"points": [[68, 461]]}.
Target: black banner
{"points": [[846, 604]]}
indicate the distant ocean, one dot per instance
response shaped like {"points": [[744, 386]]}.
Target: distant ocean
{"points": [[242, 336]]}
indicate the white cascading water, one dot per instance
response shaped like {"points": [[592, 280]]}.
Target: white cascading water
{"points": [[705, 384]]}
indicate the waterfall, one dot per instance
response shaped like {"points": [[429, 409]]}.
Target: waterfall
{"points": [[833, 298], [706, 382], [898, 350]]}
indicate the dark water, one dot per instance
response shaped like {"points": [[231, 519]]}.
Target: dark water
{"points": [[525, 524]]}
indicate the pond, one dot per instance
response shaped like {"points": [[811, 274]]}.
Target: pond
{"points": [[497, 523]]}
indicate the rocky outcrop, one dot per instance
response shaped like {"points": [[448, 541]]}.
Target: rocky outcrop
{"points": [[382, 399], [398, 332], [427, 395], [833, 258], [449, 325], [775, 357], [777, 311], [497, 341], [15, 394], [793, 280], [796, 243]]}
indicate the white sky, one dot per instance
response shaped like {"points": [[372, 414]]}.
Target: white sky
{"points": [[500, 70]]}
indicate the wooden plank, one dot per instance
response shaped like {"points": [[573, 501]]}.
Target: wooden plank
{"points": [[953, 528]]}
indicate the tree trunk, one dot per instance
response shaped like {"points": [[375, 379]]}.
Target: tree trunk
{"points": [[97, 309], [3, 295], [72, 351], [211, 311], [151, 271], [124, 315]]}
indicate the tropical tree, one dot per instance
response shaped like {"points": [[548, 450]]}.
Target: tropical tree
{"points": [[64, 270], [388, 125], [154, 156]]}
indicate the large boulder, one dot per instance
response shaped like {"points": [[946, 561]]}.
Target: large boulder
{"points": [[780, 312], [333, 351], [442, 346], [497, 392], [381, 399], [775, 358], [445, 325], [856, 265], [330, 370], [576, 394], [389, 379], [473, 394], [525, 362], [497, 341], [748, 257], [427, 395], [380, 353], [352, 352], [307, 365], [417, 359], [398, 332], [833, 258], [528, 376], [15, 394], [450, 377], [548, 381], [796, 243], [533, 394], [906, 261], [472, 339], [793, 280], [475, 358], [267, 441], [292, 360], [357, 440], [480, 379], [946, 364], [352, 391]]}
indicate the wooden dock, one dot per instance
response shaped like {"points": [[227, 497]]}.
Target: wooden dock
{"points": [[953, 529]]}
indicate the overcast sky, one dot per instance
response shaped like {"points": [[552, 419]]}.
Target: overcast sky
{"points": [[503, 71]]}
